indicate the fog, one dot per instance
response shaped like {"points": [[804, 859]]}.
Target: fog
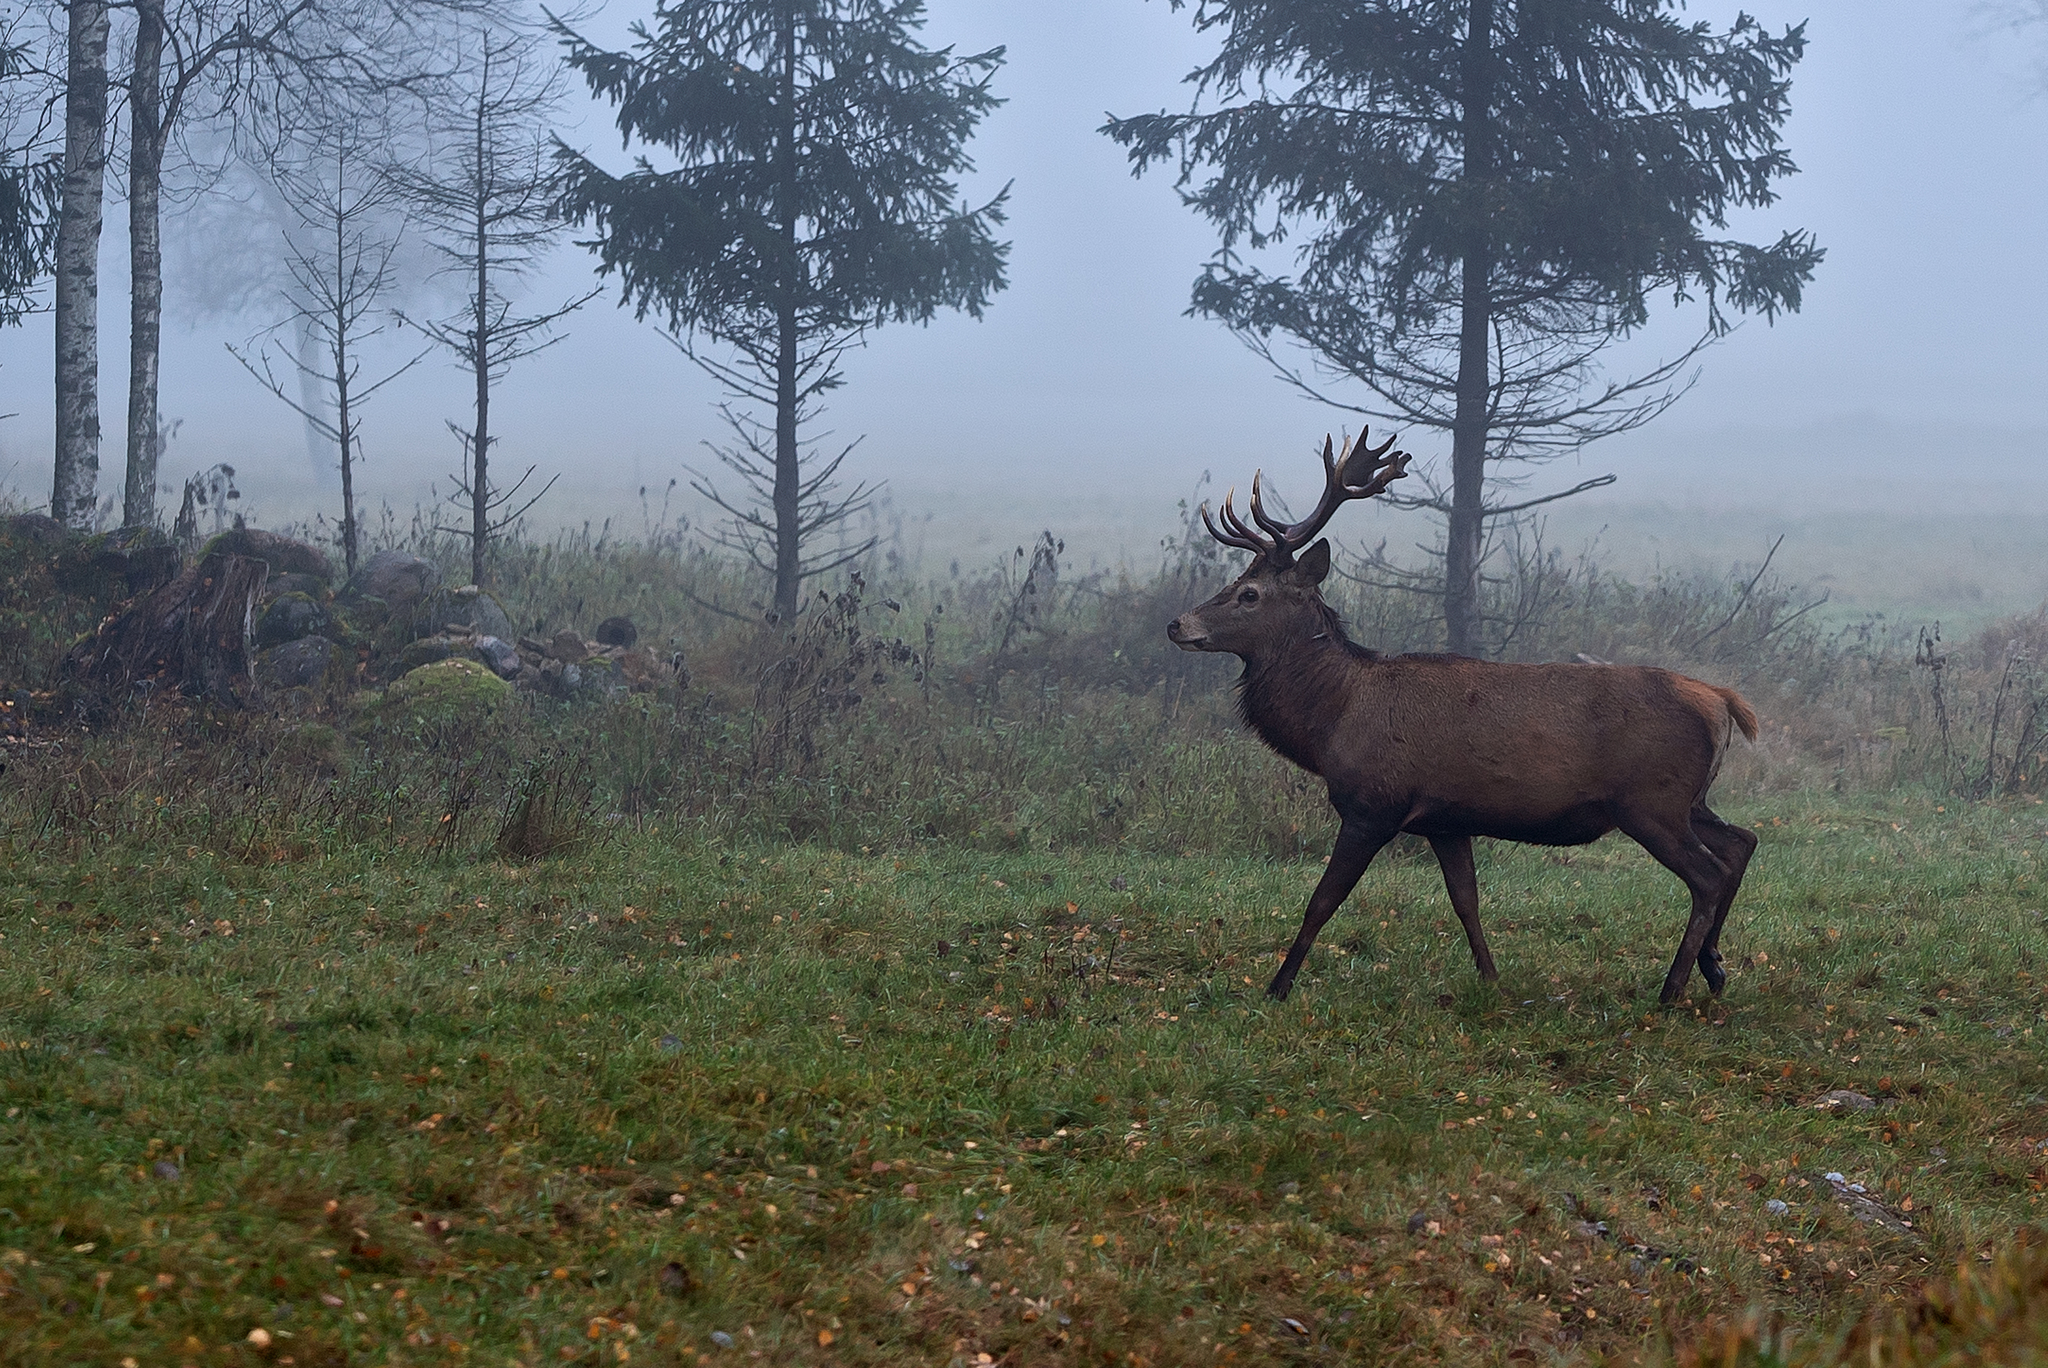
{"points": [[1912, 391]]}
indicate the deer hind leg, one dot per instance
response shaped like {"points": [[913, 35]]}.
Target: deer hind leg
{"points": [[1356, 845], [1675, 845], [1454, 854], [1732, 846]]}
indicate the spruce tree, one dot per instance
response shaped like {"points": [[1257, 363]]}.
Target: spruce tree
{"points": [[1478, 197], [808, 195]]}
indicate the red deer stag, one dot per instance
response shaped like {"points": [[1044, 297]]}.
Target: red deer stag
{"points": [[1449, 748]]}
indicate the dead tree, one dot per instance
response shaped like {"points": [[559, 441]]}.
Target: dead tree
{"points": [[192, 635], [486, 202], [340, 264]]}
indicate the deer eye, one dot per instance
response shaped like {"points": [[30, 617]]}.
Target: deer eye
{"points": [[1248, 595]]}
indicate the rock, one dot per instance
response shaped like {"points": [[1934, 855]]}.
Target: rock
{"points": [[641, 671], [426, 651], [499, 654], [1842, 1099], [288, 618], [447, 691], [466, 608], [1776, 1207], [125, 564], [35, 529], [617, 631], [602, 677], [299, 663], [399, 580], [1864, 1207], [568, 646], [284, 555], [279, 585]]}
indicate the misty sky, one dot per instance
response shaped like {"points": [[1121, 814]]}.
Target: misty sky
{"points": [[1915, 379]]}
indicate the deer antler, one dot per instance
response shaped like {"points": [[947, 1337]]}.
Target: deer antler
{"points": [[1360, 473]]}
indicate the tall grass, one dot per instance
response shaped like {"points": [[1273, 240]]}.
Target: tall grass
{"points": [[1026, 707]]}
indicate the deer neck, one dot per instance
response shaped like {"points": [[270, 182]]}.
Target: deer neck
{"points": [[1294, 697]]}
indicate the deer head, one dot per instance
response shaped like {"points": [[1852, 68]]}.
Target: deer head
{"points": [[1275, 601]]}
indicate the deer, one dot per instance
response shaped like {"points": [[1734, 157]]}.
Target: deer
{"points": [[1449, 748]]}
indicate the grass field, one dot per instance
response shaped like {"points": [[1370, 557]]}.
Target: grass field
{"points": [[664, 1102]]}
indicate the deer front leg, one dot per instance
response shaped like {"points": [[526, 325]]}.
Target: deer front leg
{"points": [[1356, 845]]}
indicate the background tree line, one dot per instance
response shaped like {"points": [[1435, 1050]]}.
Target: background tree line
{"points": [[1437, 213]]}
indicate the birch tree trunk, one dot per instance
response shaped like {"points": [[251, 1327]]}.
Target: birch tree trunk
{"points": [[75, 487], [145, 264]]}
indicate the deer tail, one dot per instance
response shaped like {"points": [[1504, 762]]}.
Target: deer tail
{"points": [[1739, 710]]}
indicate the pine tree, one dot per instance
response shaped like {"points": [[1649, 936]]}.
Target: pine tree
{"points": [[31, 176], [818, 143], [1480, 196]]}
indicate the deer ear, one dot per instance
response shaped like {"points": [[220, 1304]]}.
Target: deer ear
{"points": [[1313, 564]]}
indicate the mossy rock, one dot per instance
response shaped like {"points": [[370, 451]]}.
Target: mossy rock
{"points": [[109, 566], [289, 617], [426, 651], [313, 746], [446, 691]]}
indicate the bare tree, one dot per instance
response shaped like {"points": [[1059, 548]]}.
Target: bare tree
{"points": [[254, 71], [340, 263], [485, 196], [75, 487]]}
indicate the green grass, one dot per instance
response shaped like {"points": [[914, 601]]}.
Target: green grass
{"points": [[436, 1112]]}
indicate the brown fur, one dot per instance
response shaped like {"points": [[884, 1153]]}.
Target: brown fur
{"points": [[1451, 748]]}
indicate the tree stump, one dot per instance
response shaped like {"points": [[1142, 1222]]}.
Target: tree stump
{"points": [[192, 635]]}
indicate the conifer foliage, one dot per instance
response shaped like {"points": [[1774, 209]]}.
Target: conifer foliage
{"points": [[1478, 197], [806, 192]]}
